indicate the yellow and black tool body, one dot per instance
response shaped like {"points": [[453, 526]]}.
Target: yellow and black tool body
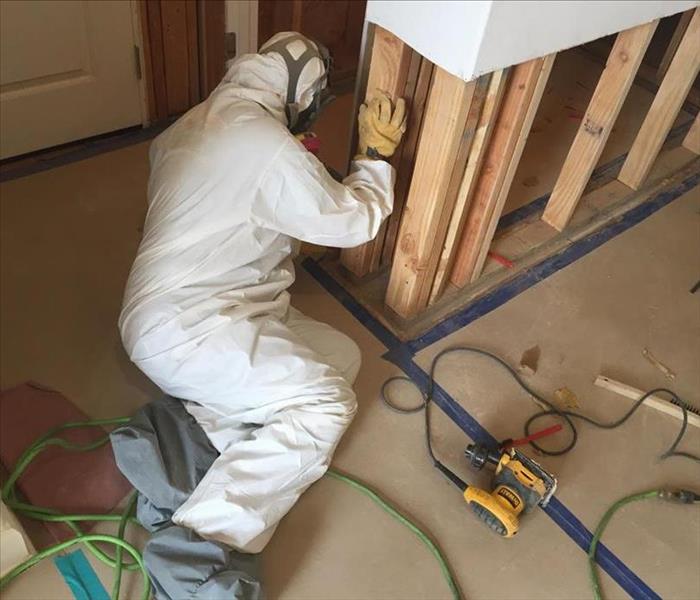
{"points": [[519, 484]]}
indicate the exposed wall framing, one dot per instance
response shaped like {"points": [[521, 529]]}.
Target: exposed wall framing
{"points": [[388, 72], [674, 88], [613, 87], [457, 165], [429, 203]]}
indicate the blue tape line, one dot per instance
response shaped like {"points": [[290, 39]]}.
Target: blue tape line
{"points": [[578, 532], [452, 408], [80, 576], [401, 354], [555, 510], [379, 331], [549, 266]]}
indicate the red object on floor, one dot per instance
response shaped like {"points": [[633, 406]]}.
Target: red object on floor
{"points": [[532, 437], [72, 482], [501, 259]]}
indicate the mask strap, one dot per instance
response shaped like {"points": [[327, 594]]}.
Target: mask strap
{"points": [[294, 68]]}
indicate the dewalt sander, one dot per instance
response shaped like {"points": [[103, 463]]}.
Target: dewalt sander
{"points": [[519, 484]]}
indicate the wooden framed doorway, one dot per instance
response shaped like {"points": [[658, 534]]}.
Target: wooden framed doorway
{"points": [[184, 53]]}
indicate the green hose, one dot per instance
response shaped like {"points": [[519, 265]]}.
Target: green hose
{"points": [[444, 567], [84, 538], [592, 570], [9, 496], [116, 586]]}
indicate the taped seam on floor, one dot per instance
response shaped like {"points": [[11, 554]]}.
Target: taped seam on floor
{"points": [[80, 576], [403, 358]]}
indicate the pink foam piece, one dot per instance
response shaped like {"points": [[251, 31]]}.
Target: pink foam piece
{"points": [[72, 482]]}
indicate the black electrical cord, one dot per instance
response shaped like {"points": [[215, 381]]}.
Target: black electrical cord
{"points": [[427, 397], [567, 415]]}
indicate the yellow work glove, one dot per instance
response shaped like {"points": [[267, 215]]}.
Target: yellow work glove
{"points": [[380, 127]]}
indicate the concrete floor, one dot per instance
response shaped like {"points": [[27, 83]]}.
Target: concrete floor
{"points": [[68, 237]]}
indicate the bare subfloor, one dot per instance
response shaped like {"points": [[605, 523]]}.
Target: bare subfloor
{"points": [[69, 236]]}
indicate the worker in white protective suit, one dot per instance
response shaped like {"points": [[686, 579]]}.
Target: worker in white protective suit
{"points": [[206, 314]]}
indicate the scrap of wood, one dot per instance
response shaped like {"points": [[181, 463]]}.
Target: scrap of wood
{"points": [[428, 207], [482, 136], [655, 402], [566, 398], [388, 71], [601, 114], [513, 123], [672, 92], [529, 360], [692, 138], [673, 44], [646, 353]]}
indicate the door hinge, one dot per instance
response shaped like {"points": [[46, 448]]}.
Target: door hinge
{"points": [[137, 62]]}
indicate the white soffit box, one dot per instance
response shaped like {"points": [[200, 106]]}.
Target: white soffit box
{"points": [[470, 38]]}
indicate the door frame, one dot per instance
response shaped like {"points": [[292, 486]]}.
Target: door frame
{"points": [[242, 19], [174, 81], [140, 42]]}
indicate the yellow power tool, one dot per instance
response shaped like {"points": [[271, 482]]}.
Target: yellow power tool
{"points": [[519, 484]]}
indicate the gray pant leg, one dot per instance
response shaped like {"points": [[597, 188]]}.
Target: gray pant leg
{"points": [[189, 567], [164, 454]]}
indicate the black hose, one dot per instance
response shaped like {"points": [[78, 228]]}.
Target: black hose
{"points": [[566, 415]]}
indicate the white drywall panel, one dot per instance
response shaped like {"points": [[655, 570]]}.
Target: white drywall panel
{"points": [[446, 32], [471, 38]]}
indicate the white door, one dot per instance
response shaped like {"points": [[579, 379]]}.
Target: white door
{"points": [[68, 70]]}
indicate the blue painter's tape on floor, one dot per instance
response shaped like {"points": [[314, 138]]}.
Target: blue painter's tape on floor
{"points": [[453, 409], [563, 517], [358, 311], [556, 511], [401, 354], [549, 266], [624, 577], [80, 576]]}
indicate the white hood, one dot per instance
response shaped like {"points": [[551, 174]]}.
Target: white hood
{"points": [[263, 78]]}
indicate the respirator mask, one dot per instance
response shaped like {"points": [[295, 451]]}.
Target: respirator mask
{"points": [[300, 120]]}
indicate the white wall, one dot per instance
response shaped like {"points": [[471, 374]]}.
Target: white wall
{"points": [[242, 19], [446, 32], [471, 38]]}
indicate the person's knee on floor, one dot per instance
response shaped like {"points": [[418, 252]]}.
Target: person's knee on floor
{"points": [[164, 453]]}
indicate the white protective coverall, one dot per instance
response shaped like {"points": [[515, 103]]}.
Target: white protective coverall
{"points": [[206, 314]]}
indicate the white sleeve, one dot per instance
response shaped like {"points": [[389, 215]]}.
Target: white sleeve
{"points": [[299, 198]]}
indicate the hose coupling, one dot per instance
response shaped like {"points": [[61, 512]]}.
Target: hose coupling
{"points": [[680, 496]]}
